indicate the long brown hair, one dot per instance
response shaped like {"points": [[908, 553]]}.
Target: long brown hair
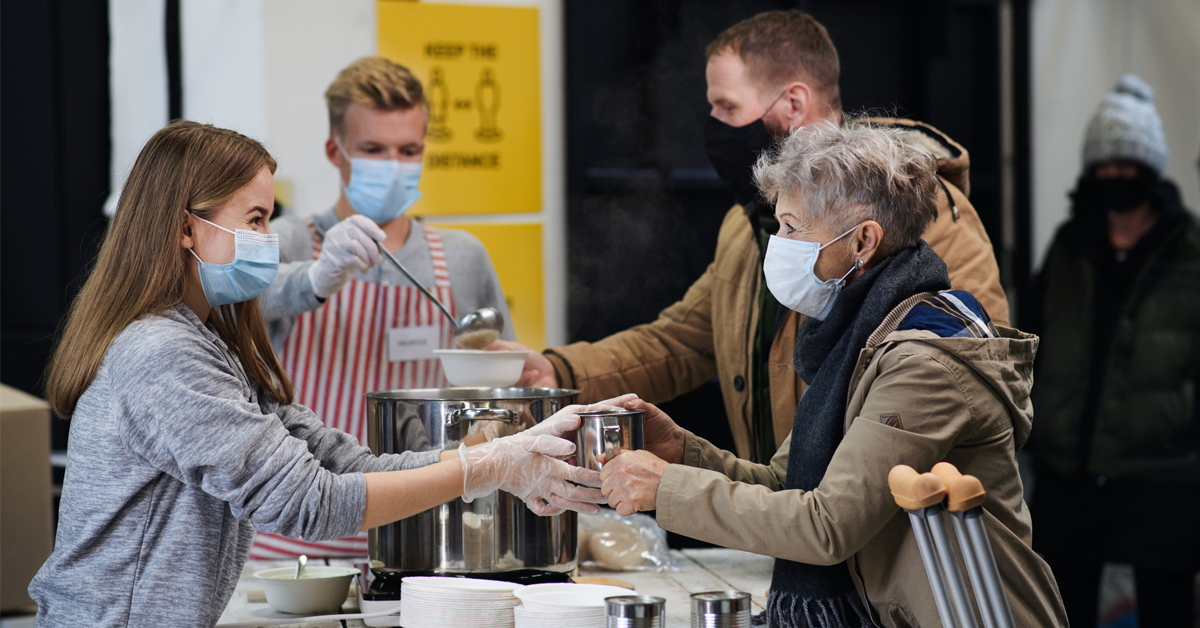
{"points": [[142, 266]]}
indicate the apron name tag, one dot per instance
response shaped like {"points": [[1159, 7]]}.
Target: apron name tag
{"points": [[413, 343]]}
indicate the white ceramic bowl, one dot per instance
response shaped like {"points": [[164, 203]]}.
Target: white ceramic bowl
{"points": [[481, 369], [319, 589]]}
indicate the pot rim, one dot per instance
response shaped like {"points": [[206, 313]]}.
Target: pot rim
{"points": [[511, 393], [603, 413]]}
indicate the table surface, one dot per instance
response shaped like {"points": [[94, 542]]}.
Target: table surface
{"points": [[696, 570]]}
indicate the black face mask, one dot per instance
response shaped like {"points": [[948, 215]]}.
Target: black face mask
{"points": [[1122, 195], [733, 150]]}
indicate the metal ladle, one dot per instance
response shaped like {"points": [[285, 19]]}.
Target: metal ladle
{"points": [[476, 330], [301, 561]]}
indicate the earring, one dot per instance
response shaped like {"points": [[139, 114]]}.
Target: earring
{"points": [[858, 264]]}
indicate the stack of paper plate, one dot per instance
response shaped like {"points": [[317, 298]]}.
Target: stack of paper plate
{"points": [[559, 605], [432, 602]]}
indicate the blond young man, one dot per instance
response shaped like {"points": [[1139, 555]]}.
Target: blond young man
{"points": [[342, 323]]}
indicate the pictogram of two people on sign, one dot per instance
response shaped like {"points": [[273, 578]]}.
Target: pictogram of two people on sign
{"points": [[486, 103]]}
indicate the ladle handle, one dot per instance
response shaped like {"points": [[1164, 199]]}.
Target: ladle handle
{"points": [[396, 262]]}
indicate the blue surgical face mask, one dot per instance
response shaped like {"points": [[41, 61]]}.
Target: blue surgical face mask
{"points": [[255, 261], [789, 270], [381, 189]]}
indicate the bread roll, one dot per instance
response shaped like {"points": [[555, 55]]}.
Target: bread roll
{"points": [[617, 546]]}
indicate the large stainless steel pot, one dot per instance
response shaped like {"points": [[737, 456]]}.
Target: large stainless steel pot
{"points": [[496, 534]]}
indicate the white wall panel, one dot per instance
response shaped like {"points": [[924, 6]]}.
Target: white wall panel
{"points": [[223, 68], [307, 43], [137, 83]]}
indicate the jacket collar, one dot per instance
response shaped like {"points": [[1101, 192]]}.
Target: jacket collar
{"points": [[893, 319], [953, 160]]}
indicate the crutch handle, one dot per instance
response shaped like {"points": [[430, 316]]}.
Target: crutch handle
{"points": [[914, 491], [963, 492]]}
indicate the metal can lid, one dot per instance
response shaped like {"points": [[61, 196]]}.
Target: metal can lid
{"points": [[634, 606], [720, 602]]}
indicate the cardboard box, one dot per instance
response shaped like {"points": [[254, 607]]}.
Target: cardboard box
{"points": [[26, 537]]}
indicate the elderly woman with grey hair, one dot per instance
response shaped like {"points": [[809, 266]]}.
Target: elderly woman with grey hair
{"points": [[900, 370]]}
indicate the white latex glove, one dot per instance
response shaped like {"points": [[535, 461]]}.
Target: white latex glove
{"points": [[522, 465], [350, 246], [567, 419]]}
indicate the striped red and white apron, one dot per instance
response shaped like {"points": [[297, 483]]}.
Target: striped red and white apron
{"points": [[339, 352]]}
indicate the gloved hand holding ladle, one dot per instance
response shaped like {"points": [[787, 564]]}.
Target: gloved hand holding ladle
{"points": [[476, 330]]}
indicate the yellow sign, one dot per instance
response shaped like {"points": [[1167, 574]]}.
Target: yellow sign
{"points": [[479, 67], [516, 252]]}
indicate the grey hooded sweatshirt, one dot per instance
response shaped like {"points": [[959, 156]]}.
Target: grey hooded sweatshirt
{"points": [[175, 457]]}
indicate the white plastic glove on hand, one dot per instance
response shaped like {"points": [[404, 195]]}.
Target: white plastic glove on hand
{"points": [[350, 246], [567, 419], [522, 465]]}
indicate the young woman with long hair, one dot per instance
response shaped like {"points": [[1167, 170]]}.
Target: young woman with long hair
{"points": [[184, 438]]}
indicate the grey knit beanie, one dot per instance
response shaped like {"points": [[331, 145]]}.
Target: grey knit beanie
{"points": [[1127, 126]]}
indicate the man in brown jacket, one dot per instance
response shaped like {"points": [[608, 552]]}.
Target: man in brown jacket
{"points": [[767, 75]]}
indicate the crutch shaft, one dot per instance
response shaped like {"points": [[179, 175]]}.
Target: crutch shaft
{"points": [[932, 572], [954, 579], [991, 576], [981, 596]]}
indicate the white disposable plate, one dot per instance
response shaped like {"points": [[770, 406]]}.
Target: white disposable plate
{"points": [[453, 618], [524, 618], [463, 603], [460, 600], [578, 596], [567, 587], [574, 614], [559, 611], [436, 583], [441, 602]]}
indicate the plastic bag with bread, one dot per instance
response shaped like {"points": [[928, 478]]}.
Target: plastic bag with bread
{"points": [[615, 543]]}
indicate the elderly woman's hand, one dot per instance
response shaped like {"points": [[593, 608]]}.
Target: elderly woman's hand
{"points": [[663, 437], [631, 479]]}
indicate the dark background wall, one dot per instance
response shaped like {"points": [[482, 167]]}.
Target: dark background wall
{"points": [[55, 153], [644, 201]]}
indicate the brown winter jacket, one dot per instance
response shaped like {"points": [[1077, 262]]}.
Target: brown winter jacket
{"points": [[710, 331], [915, 399]]}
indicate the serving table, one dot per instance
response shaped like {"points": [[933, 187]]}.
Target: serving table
{"points": [[696, 570]]}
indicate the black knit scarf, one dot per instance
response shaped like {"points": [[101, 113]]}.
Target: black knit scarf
{"points": [[826, 351]]}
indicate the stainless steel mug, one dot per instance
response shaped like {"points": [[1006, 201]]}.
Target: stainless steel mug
{"points": [[721, 609], [635, 611], [608, 433]]}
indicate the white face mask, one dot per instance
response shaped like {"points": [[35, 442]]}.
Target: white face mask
{"points": [[788, 267]]}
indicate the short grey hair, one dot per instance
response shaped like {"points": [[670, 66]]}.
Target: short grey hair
{"points": [[853, 173]]}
